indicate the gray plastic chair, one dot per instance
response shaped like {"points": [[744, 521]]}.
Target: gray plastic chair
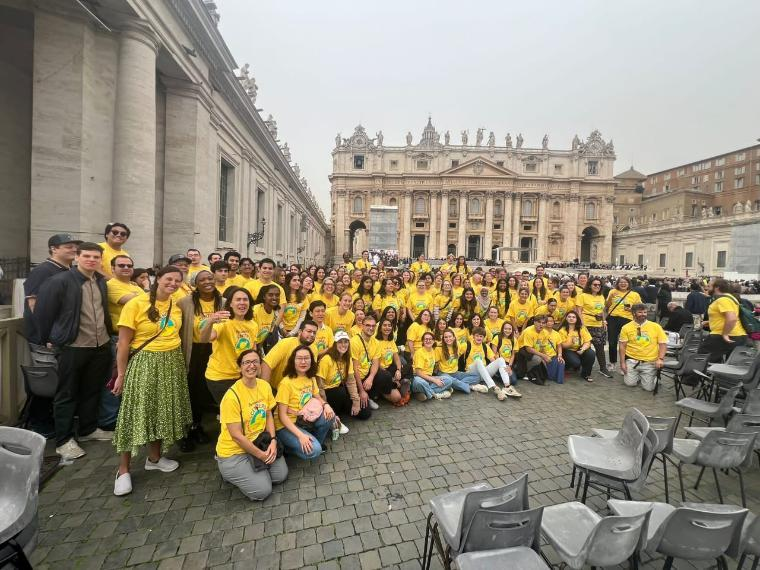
{"points": [[693, 365], [750, 542], [751, 403], [521, 558], [740, 423], [718, 450], [21, 454], [619, 457], [582, 537], [691, 532], [489, 530], [709, 410], [453, 512]]}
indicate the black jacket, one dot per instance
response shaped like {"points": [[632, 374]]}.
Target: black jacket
{"points": [[59, 303], [32, 285], [677, 319]]}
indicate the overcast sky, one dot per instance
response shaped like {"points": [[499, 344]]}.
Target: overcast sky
{"points": [[669, 81]]}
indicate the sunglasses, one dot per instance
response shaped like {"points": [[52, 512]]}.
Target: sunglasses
{"points": [[124, 265], [118, 233]]}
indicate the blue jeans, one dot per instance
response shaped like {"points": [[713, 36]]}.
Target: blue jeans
{"points": [[318, 435], [422, 386], [109, 404], [458, 381]]}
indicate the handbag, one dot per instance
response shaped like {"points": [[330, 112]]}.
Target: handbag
{"points": [[115, 371], [309, 414]]}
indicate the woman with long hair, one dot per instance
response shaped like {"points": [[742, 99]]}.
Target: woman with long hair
{"points": [[502, 297], [540, 292], [492, 323], [302, 438], [319, 279], [390, 360], [390, 314], [267, 313], [246, 414], [447, 363], [414, 333], [155, 405], [457, 324], [366, 290], [513, 286], [419, 300], [307, 288], [438, 328], [356, 328], [474, 321], [456, 287], [461, 267], [468, 305], [340, 317], [443, 302], [294, 311], [576, 345], [590, 308], [386, 297], [337, 383], [425, 384], [505, 346], [234, 330], [618, 305], [565, 302]]}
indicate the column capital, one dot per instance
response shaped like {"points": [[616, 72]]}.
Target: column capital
{"points": [[141, 31]]}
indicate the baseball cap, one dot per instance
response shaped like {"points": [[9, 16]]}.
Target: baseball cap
{"points": [[178, 257], [60, 239], [340, 335]]}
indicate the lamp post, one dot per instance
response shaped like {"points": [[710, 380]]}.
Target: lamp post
{"points": [[256, 237]]}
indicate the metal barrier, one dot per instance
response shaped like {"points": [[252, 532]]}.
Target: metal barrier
{"points": [[14, 351]]}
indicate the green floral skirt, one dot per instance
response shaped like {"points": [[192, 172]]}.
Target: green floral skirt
{"points": [[155, 404]]}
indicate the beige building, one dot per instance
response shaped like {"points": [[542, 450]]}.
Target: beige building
{"points": [[474, 197], [130, 110], [701, 218]]}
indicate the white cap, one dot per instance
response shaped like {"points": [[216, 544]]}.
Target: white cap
{"points": [[340, 335]]}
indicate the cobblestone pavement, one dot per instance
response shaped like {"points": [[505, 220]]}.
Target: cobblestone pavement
{"points": [[361, 505]]}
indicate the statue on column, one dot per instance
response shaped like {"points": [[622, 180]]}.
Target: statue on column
{"points": [[545, 142], [491, 139], [337, 140], [509, 140], [286, 151], [248, 83], [409, 138], [465, 136], [297, 170], [576, 142], [379, 136], [479, 137], [271, 126], [519, 140], [446, 138]]}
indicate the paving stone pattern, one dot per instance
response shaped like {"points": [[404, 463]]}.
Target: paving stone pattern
{"points": [[362, 505]]}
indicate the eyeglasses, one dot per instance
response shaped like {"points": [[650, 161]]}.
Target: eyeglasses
{"points": [[250, 363], [124, 265], [596, 284], [303, 358], [118, 233]]}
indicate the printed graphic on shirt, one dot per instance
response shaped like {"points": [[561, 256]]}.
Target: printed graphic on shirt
{"points": [[262, 335], [243, 341], [258, 419], [306, 395], [290, 312], [167, 323]]}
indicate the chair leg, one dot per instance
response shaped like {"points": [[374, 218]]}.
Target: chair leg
{"points": [[668, 563], [741, 487], [427, 554], [441, 551], [717, 485], [741, 561], [585, 489], [683, 494], [635, 561], [581, 473], [19, 560], [572, 478], [665, 477], [722, 564], [699, 478], [626, 490], [678, 420], [754, 564]]}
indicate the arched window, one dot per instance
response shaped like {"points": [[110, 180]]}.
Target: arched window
{"points": [[419, 206], [498, 209], [392, 202], [475, 206], [358, 205], [453, 209], [527, 208], [556, 210], [590, 211]]}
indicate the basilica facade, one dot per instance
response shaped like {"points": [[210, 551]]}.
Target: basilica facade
{"points": [[486, 201]]}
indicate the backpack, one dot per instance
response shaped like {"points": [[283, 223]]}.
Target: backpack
{"points": [[463, 358], [747, 319]]}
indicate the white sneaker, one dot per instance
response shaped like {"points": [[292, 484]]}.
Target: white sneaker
{"points": [[482, 388], [122, 485], [97, 435], [440, 395], [163, 464], [70, 450], [501, 395], [373, 405], [610, 367], [511, 391], [343, 429], [446, 394]]}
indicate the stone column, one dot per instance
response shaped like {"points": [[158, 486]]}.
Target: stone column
{"points": [[134, 164], [341, 246], [488, 241], [572, 238], [406, 225], [605, 222], [444, 231], [462, 225], [542, 233], [516, 208], [508, 226], [432, 243]]}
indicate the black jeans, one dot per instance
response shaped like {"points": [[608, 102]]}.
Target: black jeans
{"points": [[200, 397], [382, 384], [583, 361], [82, 373], [717, 348], [218, 388], [614, 325], [340, 402]]}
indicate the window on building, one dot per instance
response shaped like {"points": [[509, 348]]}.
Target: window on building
{"points": [[614, 220], [475, 206], [695, 179], [419, 206], [740, 156], [261, 209], [453, 209], [756, 205], [454, 163], [640, 261], [497, 226], [681, 171], [498, 210], [527, 228], [280, 227], [719, 186], [423, 165], [694, 211], [358, 205], [689, 262], [757, 179], [530, 167], [739, 170], [392, 202], [705, 177], [663, 259], [226, 200], [527, 208], [720, 161], [590, 211], [394, 164], [419, 224], [739, 182], [499, 163], [556, 209], [667, 188], [557, 169], [359, 162], [719, 175], [666, 176], [717, 210], [622, 260], [452, 225], [721, 261], [593, 167], [757, 166]]}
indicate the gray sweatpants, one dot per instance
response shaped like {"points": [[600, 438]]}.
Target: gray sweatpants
{"points": [[256, 485]]}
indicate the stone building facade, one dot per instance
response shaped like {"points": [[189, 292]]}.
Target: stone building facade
{"points": [[477, 198], [701, 218], [131, 110]]}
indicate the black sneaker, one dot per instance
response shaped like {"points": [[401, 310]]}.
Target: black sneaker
{"points": [[605, 374]]}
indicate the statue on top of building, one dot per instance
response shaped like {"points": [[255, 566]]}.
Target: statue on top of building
{"points": [[508, 140], [465, 136], [286, 151], [379, 136], [519, 140], [271, 126], [248, 83], [337, 140], [409, 138], [491, 139], [545, 142], [479, 137], [446, 138], [576, 142], [297, 170]]}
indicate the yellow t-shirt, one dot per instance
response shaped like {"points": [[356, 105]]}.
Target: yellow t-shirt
{"points": [[364, 357], [192, 269], [253, 405], [277, 357], [116, 290], [457, 293], [255, 285], [134, 315], [444, 303], [237, 281], [500, 301], [379, 303], [414, 333], [419, 268], [448, 365], [108, 254], [330, 373], [620, 311], [363, 265], [264, 320], [577, 338], [506, 349], [590, 306], [447, 268], [330, 302], [291, 312], [493, 328], [479, 352], [462, 336], [563, 308], [182, 291], [232, 338], [550, 341], [424, 361], [324, 338], [294, 393], [386, 350], [715, 313], [368, 298], [338, 322], [642, 340], [530, 337], [519, 312], [200, 321], [418, 303]]}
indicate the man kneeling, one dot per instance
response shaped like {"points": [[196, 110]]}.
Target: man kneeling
{"points": [[641, 347]]}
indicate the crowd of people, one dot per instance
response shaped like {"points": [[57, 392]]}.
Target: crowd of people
{"points": [[287, 355]]}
